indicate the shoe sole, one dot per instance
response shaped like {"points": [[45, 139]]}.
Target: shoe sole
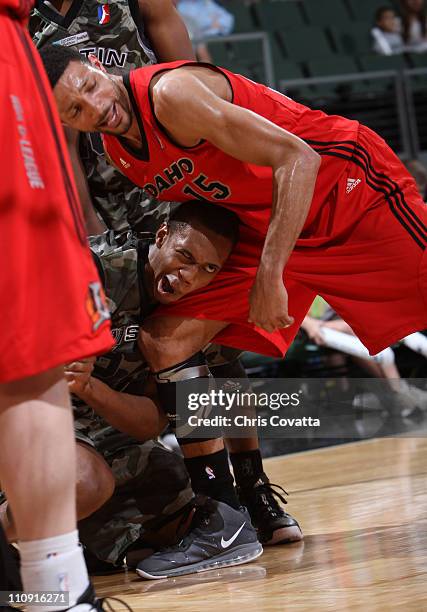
{"points": [[245, 553], [286, 535]]}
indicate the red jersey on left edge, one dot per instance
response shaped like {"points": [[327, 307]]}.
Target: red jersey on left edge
{"points": [[171, 172], [20, 8]]}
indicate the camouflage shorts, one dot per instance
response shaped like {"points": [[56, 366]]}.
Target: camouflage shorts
{"points": [[151, 485]]}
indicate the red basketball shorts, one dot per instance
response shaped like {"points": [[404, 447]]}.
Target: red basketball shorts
{"points": [[50, 296], [363, 252]]}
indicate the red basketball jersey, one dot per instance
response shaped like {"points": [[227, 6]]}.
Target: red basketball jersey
{"points": [[171, 172], [20, 8]]}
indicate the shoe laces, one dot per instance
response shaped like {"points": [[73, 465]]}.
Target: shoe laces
{"points": [[265, 500], [103, 604]]}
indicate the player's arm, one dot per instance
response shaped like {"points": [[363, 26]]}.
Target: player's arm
{"points": [[93, 224], [135, 415], [166, 30], [165, 341], [190, 111]]}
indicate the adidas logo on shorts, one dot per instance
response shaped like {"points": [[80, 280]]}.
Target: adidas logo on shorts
{"points": [[351, 184], [124, 163]]}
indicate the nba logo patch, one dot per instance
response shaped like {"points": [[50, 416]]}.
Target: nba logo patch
{"points": [[96, 305], [209, 471], [103, 14]]}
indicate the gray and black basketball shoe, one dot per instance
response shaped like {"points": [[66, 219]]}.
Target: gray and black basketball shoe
{"points": [[218, 536], [273, 524]]}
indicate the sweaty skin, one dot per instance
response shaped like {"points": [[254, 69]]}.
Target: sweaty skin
{"points": [[194, 103]]}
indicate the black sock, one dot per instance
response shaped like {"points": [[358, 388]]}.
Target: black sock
{"points": [[247, 467], [210, 475]]}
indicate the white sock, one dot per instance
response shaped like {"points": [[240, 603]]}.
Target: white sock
{"points": [[54, 564]]}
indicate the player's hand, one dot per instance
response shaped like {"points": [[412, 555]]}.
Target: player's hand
{"points": [[269, 303], [78, 375]]}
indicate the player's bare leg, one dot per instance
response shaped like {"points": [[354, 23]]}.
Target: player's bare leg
{"points": [[37, 443], [95, 481], [255, 492], [172, 348], [166, 342], [95, 485]]}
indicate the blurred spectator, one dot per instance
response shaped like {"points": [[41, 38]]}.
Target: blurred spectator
{"points": [[387, 39], [414, 24], [382, 365], [419, 172], [204, 19]]}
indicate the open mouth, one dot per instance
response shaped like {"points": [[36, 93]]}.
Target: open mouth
{"points": [[165, 286], [114, 118]]}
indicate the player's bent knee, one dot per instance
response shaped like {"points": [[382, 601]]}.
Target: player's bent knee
{"points": [[95, 481]]}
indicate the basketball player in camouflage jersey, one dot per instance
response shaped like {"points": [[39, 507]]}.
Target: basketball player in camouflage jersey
{"points": [[123, 35], [151, 483]]}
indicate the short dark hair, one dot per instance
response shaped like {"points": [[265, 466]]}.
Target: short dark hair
{"points": [[56, 59], [381, 10], [214, 217]]}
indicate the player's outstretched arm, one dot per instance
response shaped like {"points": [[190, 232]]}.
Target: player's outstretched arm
{"points": [[166, 30], [193, 105]]}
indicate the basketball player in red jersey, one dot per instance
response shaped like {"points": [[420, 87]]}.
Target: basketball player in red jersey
{"points": [[53, 312], [328, 208]]}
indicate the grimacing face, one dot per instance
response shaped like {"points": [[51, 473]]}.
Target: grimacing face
{"points": [[90, 100], [184, 260]]}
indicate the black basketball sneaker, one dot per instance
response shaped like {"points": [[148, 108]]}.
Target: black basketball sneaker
{"points": [[273, 524], [218, 536]]}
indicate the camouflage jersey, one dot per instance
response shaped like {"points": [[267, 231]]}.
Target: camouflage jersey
{"points": [[120, 260], [112, 30]]}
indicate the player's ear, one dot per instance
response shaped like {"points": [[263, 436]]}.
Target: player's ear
{"points": [[95, 62], [161, 235]]}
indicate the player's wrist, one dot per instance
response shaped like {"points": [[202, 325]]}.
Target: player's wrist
{"points": [[270, 269]]}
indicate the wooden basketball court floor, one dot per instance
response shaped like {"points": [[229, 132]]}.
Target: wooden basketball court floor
{"points": [[363, 509]]}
